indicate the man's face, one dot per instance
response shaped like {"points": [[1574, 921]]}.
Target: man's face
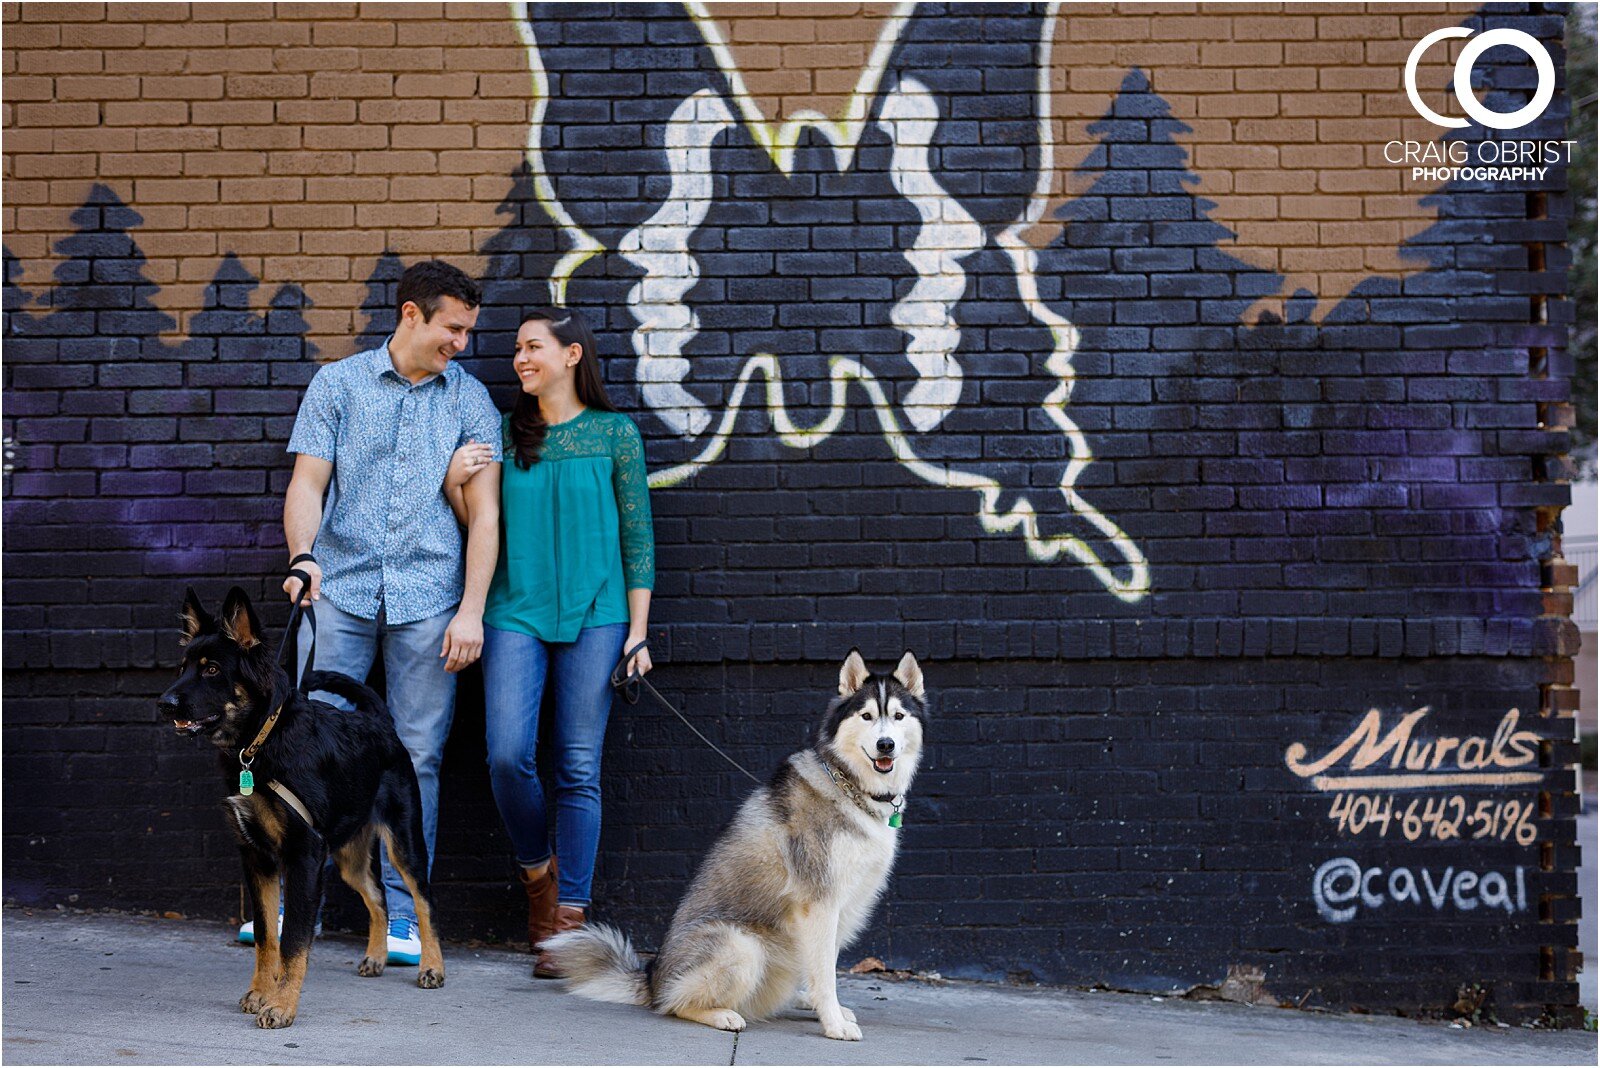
{"points": [[435, 342]]}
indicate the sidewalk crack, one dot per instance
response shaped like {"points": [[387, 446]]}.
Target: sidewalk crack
{"points": [[734, 1057]]}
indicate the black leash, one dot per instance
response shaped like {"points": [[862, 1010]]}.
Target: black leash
{"points": [[627, 684], [295, 613]]}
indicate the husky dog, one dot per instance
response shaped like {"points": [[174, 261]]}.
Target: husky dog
{"points": [[789, 882]]}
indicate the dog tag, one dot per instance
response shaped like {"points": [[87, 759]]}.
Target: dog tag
{"points": [[247, 783], [894, 820]]}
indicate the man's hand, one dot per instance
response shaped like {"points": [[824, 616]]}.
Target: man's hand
{"points": [[291, 585], [463, 641]]}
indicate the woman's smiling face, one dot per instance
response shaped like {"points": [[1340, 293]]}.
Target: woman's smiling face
{"points": [[542, 363]]}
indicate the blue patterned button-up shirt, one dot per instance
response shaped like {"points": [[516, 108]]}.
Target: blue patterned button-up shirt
{"points": [[388, 538]]}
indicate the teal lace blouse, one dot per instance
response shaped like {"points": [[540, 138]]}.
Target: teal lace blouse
{"points": [[575, 530]]}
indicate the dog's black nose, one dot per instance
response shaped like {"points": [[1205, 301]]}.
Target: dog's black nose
{"points": [[886, 745], [168, 704]]}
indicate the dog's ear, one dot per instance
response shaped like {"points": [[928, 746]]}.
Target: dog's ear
{"points": [[909, 674], [195, 619], [853, 675], [239, 620]]}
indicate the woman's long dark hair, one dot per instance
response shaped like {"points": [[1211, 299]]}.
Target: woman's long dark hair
{"points": [[528, 427]]}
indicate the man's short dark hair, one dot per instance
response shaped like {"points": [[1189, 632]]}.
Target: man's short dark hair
{"points": [[424, 283]]}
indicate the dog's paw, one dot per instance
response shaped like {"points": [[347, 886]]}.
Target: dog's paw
{"points": [[844, 1030], [430, 978], [370, 967], [725, 1019], [252, 1001], [273, 1016]]}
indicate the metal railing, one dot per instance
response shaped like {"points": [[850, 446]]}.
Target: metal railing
{"points": [[1582, 552]]}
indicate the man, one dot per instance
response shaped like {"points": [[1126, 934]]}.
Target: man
{"points": [[376, 432]]}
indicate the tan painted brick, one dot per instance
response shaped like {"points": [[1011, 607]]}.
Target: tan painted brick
{"points": [[267, 243], [232, 12], [313, 216], [316, 111], [762, 31], [262, 190], [230, 217], [1272, 28], [63, 12], [1322, 54], [472, 111], [231, 61], [150, 61], [391, 112], [276, 34], [20, 87], [1158, 56], [316, 11], [317, 59], [1275, 181], [346, 190], [143, 164], [174, 244], [115, 36], [261, 138], [1281, 131], [185, 34], [307, 268], [1370, 232], [1239, 105], [41, 139], [436, 188], [1361, 180], [434, 137], [266, 86], [1357, 27], [353, 34], [182, 87], [23, 36], [1237, 157], [36, 218], [414, 161], [42, 61], [431, 242], [1355, 130], [1319, 157], [1319, 207], [342, 243], [311, 163], [344, 85], [411, 60], [487, 60], [53, 114], [1247, 207], [1322, 258], [513, 136], [1277, 79], [1197, 80], [398, 215], [97, 87], [54, 165], [436, 85], [230, 164], [146, 113], [1246, 54], [1329, 105], [175, 190], [351, 138], [491, 86]]}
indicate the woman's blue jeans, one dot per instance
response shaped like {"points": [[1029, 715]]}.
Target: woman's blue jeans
{"points": [[515, 667]]}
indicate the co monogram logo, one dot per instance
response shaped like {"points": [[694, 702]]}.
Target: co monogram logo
{"points": [[1463, 78]]}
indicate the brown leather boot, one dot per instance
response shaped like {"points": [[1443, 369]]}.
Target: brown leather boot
{"points": [[541, 890], [568, 918]]}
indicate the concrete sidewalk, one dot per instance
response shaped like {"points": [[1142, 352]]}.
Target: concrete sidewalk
{"points": [[93, 988]]}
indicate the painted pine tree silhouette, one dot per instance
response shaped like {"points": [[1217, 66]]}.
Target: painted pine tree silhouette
{"points": [[101, 288], [378, 306], [16, 298], [225, 310], [287, 326]]}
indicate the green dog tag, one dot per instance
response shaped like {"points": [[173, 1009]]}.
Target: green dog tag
{"points": [[894, 820], [247, 785]]}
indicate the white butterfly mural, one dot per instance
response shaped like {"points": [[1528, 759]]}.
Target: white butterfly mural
{"points": [[659, 250]]}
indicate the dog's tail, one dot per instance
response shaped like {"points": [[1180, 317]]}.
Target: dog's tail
{"points": [[344, 686], [598, 962]]}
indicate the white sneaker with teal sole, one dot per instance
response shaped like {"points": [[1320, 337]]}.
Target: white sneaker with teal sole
{"points": [[247, 930], [405, 947]]}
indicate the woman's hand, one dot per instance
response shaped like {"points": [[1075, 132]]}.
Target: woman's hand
{"points": [[467, 461], [640, 662]]}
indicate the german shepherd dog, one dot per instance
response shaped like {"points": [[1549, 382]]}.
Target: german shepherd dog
{"points": [[791, 880], [325, 780]]}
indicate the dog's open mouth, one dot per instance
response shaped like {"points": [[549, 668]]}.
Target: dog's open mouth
{"points": [[193, 726], [883, 765]]}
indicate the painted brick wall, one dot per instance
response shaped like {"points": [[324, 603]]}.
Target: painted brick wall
{"points": [[1101, 358]]}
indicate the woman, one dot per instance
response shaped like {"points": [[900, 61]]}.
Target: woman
{"points": [[571, 591]]}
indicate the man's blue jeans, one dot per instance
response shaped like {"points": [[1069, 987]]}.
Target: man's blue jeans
{"points": [[421, 696], [515, 666]]}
